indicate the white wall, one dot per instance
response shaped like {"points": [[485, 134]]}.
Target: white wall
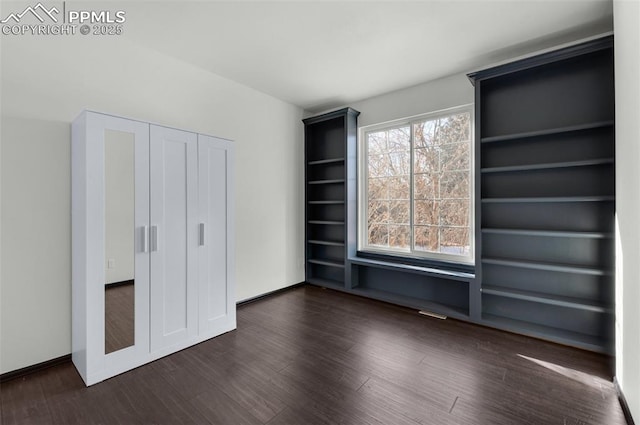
{"points": [[627, 69], [46, 82], [432, 96]]}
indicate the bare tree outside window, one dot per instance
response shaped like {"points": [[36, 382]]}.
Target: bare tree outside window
{"points": [[418, 186]]}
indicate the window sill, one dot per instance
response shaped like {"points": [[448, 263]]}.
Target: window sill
{"points": [[410, 268]]}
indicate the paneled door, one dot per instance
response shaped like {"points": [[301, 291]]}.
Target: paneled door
{"points": [[217, 305], [173, 236]]}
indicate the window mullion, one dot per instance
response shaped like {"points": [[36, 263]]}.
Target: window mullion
{"points": [[411, 188], [438, 175], [364, 193]]}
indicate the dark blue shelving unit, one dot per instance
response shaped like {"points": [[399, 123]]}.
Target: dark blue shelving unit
{"points": [[545, 183]]}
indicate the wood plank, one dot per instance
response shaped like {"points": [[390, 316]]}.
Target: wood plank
{"points": [[315, 356]]}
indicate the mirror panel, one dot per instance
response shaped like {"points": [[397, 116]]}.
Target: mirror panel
{"points": [[119, 261]]}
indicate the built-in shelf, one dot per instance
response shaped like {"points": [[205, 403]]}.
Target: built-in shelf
{"points": [[547, 266], [326, 202], [428, 271], [412, 302], [328, 243], [546, 195], [539, 297], [326, 161], [548, 233], [327, 283], [563, 336], [548, 132], [534, 200], [325, 263], [547, 166], [334, 181], [330, 147]]}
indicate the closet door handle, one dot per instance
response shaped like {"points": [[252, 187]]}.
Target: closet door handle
{"points": [[145, 238], [201, 234], [154, 238]]}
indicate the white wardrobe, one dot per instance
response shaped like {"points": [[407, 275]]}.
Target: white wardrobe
{"points": [[155, 204]]}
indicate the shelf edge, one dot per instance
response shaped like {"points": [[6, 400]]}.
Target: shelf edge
{"points": [[548, 333], [547, 166], [536, 297], [547, 266], [547, 233], [548, 199], [548, 132]]}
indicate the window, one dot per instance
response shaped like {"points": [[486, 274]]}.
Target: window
{"points": [[416, 184]]}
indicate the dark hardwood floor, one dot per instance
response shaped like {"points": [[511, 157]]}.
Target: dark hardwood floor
{"points": [[314, 356]]}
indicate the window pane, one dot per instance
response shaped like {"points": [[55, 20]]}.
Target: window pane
{"points": [[454, 240], [454, 212], [378, 235], [399, 236], [454, 184], [387, 141], [426, 238], [399, 212], [426, 134], [389, 164], [454, 128], [424, 186], [426, 212], [455, 156], [400, 135], [377, 142], [426, 160], [388, 173], [399, 187], [378, 188], [378, 212], [442, 184]]}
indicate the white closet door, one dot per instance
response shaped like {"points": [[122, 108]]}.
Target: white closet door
{"points": [[93, 135], [174, 231], [120, 360], [217, 298]]}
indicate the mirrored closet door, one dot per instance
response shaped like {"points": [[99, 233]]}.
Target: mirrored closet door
{"points": [[110, 219]]}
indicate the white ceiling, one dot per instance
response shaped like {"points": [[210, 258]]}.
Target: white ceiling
{"points": [[321, 54]]}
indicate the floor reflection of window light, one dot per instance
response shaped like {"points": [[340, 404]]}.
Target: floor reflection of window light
{"points": [[585, 378]]}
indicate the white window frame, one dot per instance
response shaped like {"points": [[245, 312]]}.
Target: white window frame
{"points": [[363, 200]]}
